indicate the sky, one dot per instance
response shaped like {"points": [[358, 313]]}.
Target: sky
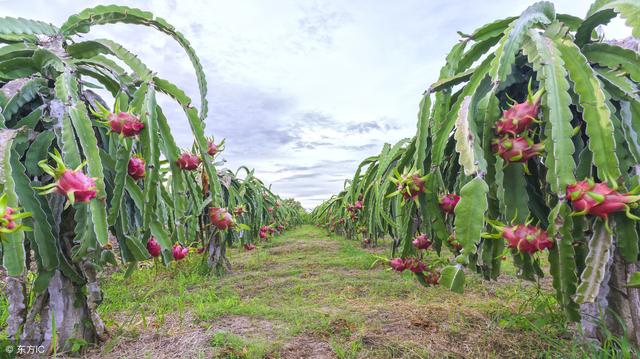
{"points": [[302, 91]]}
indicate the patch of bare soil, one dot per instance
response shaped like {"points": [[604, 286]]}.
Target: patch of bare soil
{"points": [[247, 327], [306, 347]]}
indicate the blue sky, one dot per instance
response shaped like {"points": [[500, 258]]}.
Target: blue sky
{"points": [[301, 90]]}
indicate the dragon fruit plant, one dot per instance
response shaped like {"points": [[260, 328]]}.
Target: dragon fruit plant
{"points": [[237, 215], [68, 169], [533, 123]]}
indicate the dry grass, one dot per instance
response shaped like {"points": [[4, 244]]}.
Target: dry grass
{"points": [[310, 296]]}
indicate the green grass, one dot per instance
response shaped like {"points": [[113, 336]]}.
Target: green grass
{"points": [[324, 287]]}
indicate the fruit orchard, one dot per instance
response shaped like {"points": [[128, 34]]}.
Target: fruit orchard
{"points": [[526, 150]]}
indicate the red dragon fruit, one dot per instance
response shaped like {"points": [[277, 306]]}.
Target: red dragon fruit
{"points": [[397, 264], [280, 228], [517, 150], [212, 148], [249, 247], [519, 116], [136, 168], [448, 202], [358, 205], [125, 123], [526, 238], [454, 242], [421, 242], [220, 218], [598, 199], [153, 247], [432, 277], [179, 252], [270, 209], [271, 230], [415, 265], [77, 186], [263, 235], [188, 161]]}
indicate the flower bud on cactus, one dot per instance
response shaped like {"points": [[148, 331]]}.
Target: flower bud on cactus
{"points": [[125, 124], [421, 242], [598, 199], [220, 218], [179, 252], [153, 247], [516, 150], [448, 202], [8, 217], [397, 264], [136, 168], [188, 161]]}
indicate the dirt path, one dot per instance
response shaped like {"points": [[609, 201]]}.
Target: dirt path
{"points": [[306, 295]]}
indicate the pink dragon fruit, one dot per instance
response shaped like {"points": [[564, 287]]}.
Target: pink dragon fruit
{"points": [[526, 238], [358, 205], [421, 242], [448, 202], [432, 277], [188, 161], [179, 252], [519, 116], [220, 218], [125, 123], [153, 247], [77, 186], [249, 247], [598, 199], [397, 264], [136, 168], [517, 150], [212, 148], [415, 265]]}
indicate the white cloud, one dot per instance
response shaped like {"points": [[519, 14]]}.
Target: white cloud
{"points": [[302, 90]]}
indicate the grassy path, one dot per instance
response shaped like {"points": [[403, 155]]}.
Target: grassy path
{"points": [[307, 295]]}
